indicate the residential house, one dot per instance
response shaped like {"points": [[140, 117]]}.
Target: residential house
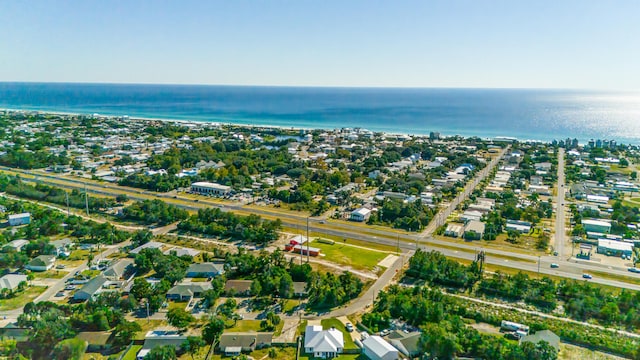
{"points": [[17, 245], [207, 269], [543, 335], [149, 245], [158, 338], [188, 291], [234, 343], [120, 270], [238, 287], [376, 348], [406, 343], [62, 247], [12, 281], [91, 288], [300, 289], [42, 263], [19, 219], [321, 343]]}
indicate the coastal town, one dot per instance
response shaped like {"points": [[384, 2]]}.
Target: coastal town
{"points": [[141, 239]]}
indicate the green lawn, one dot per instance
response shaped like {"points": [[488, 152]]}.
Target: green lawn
{"points": [[348, 342], [91, 273], [355, 257], [244, 326], [131, 354], [30, 293], [252, 326], [50, 274]]}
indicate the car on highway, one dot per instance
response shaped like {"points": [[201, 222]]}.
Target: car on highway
{"points": [[587, 276], [554, 266], [634, 270]]}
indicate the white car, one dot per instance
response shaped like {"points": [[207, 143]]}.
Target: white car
{"points": [[349, 327]]}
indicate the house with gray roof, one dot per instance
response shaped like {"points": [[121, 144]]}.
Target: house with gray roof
{"points": [[12, 281], [17, 245], [63, 247], [91, 288], [122, 269], [238, 287], [42, 263], [158, 338], [406, 343], [188, 291], [234, 343], [206, 269], [543, 335]]}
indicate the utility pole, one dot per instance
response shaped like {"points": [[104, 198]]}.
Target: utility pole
{"points": [[398, 245], [538, 264], [308, 239], [86, 199], [67, 197]]}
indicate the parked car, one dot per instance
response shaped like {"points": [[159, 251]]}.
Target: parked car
{"points": [[384, 332], [349, 327], [587, 276], [70, 287], [60, 266], [634, 270]]}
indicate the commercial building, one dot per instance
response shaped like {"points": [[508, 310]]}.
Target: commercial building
{"points": [[614, 248], [592, 225], [208, 188], [362, 214]]}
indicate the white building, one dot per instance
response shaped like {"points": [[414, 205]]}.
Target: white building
{"points": [[208, 188], [12, 281], [361, 214], [376, 348], [324, 344]]}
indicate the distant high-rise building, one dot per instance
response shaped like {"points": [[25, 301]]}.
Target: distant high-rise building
{"points": [[434, 135], [598, 143], [561, 143], [567, 143], [574, 143], [592, 144], [612, 144]]}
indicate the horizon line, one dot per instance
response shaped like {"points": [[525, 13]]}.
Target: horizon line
{"points": [[319, 86]]}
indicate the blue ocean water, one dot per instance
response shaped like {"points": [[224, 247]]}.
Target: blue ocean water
{"points": [[524, 114]]}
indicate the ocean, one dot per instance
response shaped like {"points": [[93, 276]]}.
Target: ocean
{"points": [[524, 114]]}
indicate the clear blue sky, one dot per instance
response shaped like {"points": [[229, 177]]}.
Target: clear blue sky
{"points": [[590, 44]]}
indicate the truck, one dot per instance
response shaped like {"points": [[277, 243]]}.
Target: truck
{"points": [[513, 326]]}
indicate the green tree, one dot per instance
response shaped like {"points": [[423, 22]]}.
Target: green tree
{"points": [[179, 318], [70, 349], [192, 345], [125, 332], [212, 330], [166, 352], [141, 289]]}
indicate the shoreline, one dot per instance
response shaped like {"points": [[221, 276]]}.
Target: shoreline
{"points": [[257, 126]]}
